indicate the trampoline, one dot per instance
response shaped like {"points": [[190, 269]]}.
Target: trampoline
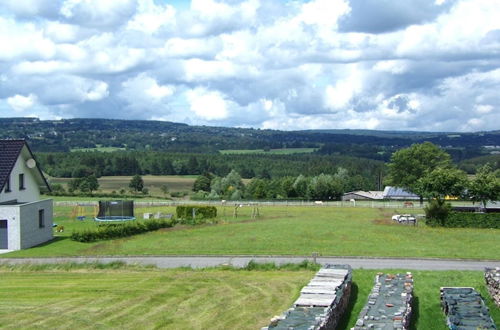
{"points": [[115, 211]]}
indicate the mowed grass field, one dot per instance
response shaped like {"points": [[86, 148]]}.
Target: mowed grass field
{"points": [[107, 184], [281, 230], [283, 151], [140, 298]]}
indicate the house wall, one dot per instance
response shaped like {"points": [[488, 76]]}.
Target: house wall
{"points": [[22, 224], [31, 192], [31, 233], [11, 213]]}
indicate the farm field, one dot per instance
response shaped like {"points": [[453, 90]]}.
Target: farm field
{"points": [[280, 230], [136, 297], [100, 149], [283, 151], [107, 184]]}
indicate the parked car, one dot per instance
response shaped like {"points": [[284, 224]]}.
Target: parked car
{"points": [[404, 218]]}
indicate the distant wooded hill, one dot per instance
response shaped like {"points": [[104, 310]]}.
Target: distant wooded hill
{"points": [[69, 134]]}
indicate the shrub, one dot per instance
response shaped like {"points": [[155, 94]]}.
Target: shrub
{"points": [[436, 212], [122, 230], [185, 212], [471, 220]]}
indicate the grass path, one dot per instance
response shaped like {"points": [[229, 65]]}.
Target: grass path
{"points": [[133, 297]]}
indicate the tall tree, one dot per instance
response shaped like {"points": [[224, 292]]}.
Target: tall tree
{"points": [[136, 183], [410, 164], [485, 186], [442, 182]]}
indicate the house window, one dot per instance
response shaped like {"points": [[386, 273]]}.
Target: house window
{"points": [[7, 185], [21, 182], [41, 218]]}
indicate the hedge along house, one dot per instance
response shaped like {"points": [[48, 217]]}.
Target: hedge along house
{"points": [[25, 220]]}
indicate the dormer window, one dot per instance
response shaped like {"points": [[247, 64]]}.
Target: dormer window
{"points": [[7, 185], [21, 182]]}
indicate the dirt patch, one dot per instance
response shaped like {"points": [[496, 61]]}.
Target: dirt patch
{"points": [[385, 221]]}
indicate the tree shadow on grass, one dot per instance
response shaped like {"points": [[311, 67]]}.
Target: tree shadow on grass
{"points": [[415, 306], [52, 241], [344, 321]]}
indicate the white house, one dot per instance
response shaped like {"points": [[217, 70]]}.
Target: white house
{"points": [[25, 220]]}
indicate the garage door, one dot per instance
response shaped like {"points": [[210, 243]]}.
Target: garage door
{"points": [[3, 234]]}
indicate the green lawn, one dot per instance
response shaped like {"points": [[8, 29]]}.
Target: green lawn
{"points": [[134, 297], [288, 230], [283, 151]]}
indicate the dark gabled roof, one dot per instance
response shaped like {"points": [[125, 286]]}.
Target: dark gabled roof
{"points": [[9, 153]]}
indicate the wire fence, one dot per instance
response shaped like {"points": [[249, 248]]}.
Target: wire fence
{"points": [[364, 204]]}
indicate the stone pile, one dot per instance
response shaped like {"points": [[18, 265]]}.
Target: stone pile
{"points": [[465, 309], [321, 303], [492, 278], [389, 303]]}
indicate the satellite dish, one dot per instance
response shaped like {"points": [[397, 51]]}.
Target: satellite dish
{"points": [[31, 163]]}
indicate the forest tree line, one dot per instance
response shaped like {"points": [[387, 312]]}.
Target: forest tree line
{"points": [[82, 164]]}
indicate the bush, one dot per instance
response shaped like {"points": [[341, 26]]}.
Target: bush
{"points": [[202, 213], [436, 212], [470, 220], [122, 230]]}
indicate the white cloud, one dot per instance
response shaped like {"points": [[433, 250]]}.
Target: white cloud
{"points": [[151, 17], [391, 66], [483, 108], [324, 13], [193, 47], [208, 105], [20, 103], [96, 91], [273, 64], [196, 70], [143, 94], [339, 96], [98, 13], [23, 40]]}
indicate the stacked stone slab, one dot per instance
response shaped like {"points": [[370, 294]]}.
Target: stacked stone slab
{"points": [[492, 278], [465, 309], [321, 303], [389, 303]]}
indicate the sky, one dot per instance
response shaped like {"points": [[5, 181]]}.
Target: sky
{"points": [[275, 64]]}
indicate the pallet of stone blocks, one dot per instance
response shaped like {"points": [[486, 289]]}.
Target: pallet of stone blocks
{"points": [[492, 278], [465, 309], [389, 303], [321, 303]]}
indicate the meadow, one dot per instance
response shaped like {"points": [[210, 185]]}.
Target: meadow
{"points": [[280, 230], [108, 184], [282, 151], [129, 297]]}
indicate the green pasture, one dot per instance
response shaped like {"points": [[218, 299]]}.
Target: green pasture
{"points": [[100, 149], [280, 230], [147, 298], [107, 184], [282, 151]]}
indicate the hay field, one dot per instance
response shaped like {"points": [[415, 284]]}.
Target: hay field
{"points": [[175, 183]]}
